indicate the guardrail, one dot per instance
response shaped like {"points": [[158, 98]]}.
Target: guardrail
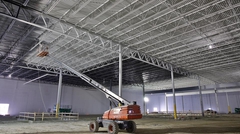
{"points": [[42, 116]]}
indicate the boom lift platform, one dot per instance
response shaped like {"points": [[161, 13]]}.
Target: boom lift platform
{"points": [[115, 118]]}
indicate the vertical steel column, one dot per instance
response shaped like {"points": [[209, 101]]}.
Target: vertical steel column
{"points": [[182, 104], [200, 93], [229, 108], [216, 97], [144, 103], [166, 103], [120, 72], [59, 93], [174, 97], [110, 105]]}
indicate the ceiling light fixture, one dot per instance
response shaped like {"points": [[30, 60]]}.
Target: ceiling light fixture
{"points": [[210, 46], [10, 75]]}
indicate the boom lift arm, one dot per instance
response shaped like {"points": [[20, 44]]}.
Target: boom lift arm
{"points": [[109, 94]]}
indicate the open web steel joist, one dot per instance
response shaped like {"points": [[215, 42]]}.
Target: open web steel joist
{"points": [[193, 36]]}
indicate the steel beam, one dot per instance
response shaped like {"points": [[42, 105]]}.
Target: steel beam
{"points": [[132, 7], [95, 13], [38, 78], [178, 36], [51, 5], [168, 19], [106, 44], [75, 9], [137, 25]]}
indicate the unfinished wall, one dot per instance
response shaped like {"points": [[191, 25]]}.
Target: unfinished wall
{"points": [[192, 102], [35, 97]]}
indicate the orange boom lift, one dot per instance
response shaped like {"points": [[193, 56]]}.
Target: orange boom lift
{"points": [[115, 118]]}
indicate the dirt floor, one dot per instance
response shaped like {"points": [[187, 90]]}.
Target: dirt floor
{"points": [[151, 124]]}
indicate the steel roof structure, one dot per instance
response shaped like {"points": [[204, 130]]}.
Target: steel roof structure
{"points": [[199, 39]]}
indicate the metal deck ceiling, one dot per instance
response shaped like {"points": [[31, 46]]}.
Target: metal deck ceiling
{"points": [[195, 37]]}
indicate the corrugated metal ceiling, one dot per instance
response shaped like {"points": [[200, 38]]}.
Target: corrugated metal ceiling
{"points": [[196, 37]]}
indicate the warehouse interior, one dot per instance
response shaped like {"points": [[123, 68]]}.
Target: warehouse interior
{"points": [[178, 59]]}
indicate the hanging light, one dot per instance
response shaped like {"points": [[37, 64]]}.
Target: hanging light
{"points": [[10, 75], [210, 47]]}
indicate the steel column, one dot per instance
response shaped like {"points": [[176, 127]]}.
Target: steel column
{"points": [[174, 97], [144, 103], [166, 103], [216, 97], [59, 93], [229, 108], [110, 105], [120, 72], [200, 93], [182, 104]]}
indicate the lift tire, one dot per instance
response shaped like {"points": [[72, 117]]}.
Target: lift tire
{"points": [[93, 126], [113, 128], [131, 127]]}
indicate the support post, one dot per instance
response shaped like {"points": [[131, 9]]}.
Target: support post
{"points": [[182, 104], [216, 97], [120, 72], [229, 108], [59, 93], [174, 97], [144, 103], [166, 103], [200, 93], [110, 105]]}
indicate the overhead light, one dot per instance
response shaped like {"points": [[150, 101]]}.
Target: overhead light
{"points": [[10, 75], [146, 99], [210, 46]]}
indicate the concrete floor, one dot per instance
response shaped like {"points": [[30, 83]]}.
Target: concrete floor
{"points": [[154, 124]]}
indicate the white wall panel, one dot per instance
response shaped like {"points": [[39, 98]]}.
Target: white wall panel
{"points": [[222, 100], [192, 102], [35, 97]]}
